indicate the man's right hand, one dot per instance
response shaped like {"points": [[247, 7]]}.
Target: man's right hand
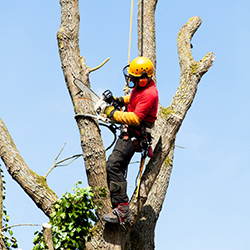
{"points": [[109, 111]]}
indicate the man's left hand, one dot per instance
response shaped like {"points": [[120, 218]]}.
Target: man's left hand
{"points": [[109, 111]]}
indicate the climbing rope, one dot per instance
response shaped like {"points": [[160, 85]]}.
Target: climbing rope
{"points": [[112, 127], [130, 29], [142, 10]]}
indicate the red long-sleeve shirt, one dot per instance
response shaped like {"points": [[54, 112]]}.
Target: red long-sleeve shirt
{"points": [[144, 102]]}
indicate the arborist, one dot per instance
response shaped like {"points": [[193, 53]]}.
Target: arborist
{"points": [[138, 119]]}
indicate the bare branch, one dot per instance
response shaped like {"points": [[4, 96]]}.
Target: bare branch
{"points": [[60, 151], [58, 164], [23, 224], [34, 185], [54, 165], [12, 239]]}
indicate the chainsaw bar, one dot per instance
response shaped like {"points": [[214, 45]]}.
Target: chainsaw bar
{"points": [[95, 98]]}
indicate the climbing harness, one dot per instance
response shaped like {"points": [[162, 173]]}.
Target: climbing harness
{"points": [[142, 139]]}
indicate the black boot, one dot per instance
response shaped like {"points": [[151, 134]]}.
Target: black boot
{"points": [[120, 214]]}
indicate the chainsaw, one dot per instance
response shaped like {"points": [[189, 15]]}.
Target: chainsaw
{"points": [[100, 102]]}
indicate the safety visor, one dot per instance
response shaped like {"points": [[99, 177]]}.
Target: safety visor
{"points": [[130, 80]]}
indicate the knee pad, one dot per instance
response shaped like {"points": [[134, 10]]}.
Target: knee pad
{"points": [[118, 188]]}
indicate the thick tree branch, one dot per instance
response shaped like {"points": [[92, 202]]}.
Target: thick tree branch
{"points": [[34, 185], [74, 66], [170, 119]]}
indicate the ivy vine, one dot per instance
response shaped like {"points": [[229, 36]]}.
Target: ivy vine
{"points": [[72, 220], [7, 236]]}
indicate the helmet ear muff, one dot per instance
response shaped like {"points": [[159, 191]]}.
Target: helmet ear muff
{"points": [[143, 82]]}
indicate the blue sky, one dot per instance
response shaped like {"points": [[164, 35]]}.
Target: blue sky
{"points": [[207, 204]]}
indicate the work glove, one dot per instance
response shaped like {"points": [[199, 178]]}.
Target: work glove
{"points": [[109, 111], [118, 101]]}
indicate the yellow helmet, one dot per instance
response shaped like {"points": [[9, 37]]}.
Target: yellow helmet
{"points": [[139, 66]]}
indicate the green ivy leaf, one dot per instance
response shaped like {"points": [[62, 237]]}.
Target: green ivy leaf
{"points": [[57, 206], [72, 220], [63, 215]]}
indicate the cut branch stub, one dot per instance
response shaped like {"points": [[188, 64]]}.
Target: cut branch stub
{"points": [[187, 63], [184, 40]]}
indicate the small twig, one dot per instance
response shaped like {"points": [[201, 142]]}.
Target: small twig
{"points": [[54, 165], [57, 164], [179, 146], [12, 239], [91, 70], [75, 157], [18, 225], [60, 151]]}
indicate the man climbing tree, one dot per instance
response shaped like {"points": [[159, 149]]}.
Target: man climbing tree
{"points": [[135, 135], [145, 209]]}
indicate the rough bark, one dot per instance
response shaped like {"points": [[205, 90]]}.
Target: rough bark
{"points": [[34, 185], [143, 234]]}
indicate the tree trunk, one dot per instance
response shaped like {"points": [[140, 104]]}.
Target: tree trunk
{"points": [[167, 125], [143, 235], [146, 209]]}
